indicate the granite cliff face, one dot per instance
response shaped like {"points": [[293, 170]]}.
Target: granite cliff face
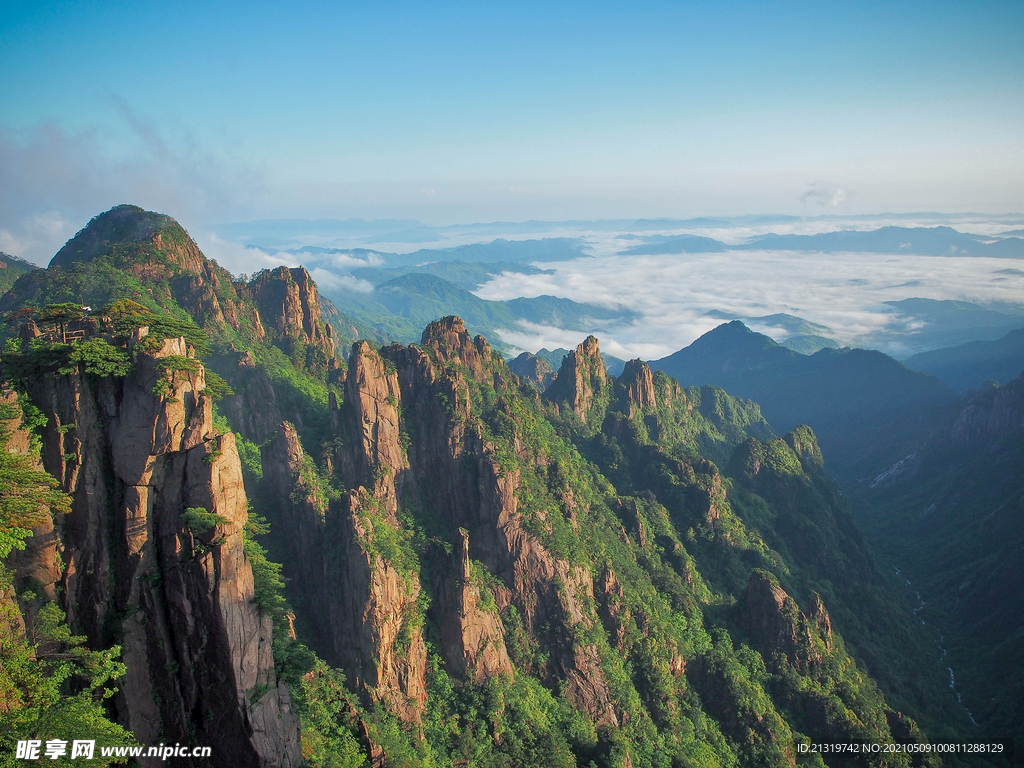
{"points": [[408, 445], [533, 368], [137, 569], [582, 384], [289, 306]]}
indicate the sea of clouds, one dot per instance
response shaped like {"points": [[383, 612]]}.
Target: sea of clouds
{"points": [[672, 294]]}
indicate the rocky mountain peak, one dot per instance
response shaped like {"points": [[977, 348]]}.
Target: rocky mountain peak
{"points": [[289, 305], [582, 383], [450, 341], [638, 384], [124, 226]]}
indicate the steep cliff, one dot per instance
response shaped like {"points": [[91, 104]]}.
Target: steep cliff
{"points": [[461, 515], [289, 306], [582, 383], [152, 555], [393, 481]]}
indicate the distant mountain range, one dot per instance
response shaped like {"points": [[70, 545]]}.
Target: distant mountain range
{"points": [[925, 324], [925, 241], [397, 308], [970, 365], [866, 408], [468, 276]]}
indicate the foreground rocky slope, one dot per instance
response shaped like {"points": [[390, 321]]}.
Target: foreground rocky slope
{"points": [[151, 554]]}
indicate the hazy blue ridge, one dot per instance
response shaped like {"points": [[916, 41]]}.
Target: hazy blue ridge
{"points": [[423, 298], [468, 276], [398, 308], [968, 366], [500, 250], [808, 344], [926, 241], [683, 244], [922, 241], [935, 324], [565, 313], [784, 320], [866, 408]]}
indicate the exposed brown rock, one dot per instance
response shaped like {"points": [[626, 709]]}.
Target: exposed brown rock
{"points": [[450, 341], [381, 649], [196, 646], [614, 613], [372, 393], [778, 629], [472, 636], [638, 383], [582, 382], [289, 306], [253, 409], [533, 368]]}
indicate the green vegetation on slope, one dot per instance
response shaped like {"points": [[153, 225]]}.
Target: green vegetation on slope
{"points": [[51, 685]]}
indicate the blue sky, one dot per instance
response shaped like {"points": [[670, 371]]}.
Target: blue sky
{"points": [[460, 112]]}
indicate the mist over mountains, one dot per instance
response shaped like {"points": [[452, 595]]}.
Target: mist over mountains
{"points": [[903, 284]]}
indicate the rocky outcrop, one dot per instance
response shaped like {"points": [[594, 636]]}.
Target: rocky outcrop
{"points": [[407, 443], [805, 445], [996, 413], [174, 590], [289, 306], [472, 634], [372, 394], [582, 384], [372, 609], [533, 368], [158, 252], [779, 630], [637, 383]]}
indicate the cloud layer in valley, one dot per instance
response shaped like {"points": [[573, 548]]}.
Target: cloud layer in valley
{"points": [[673, 294]]}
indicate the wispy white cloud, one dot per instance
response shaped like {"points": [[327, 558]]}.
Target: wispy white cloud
{"points": [[53, 180], [240, 259], [333, 281], [825, 194]]}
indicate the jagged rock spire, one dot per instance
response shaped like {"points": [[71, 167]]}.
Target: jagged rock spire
{"points": [[582, 383]]}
